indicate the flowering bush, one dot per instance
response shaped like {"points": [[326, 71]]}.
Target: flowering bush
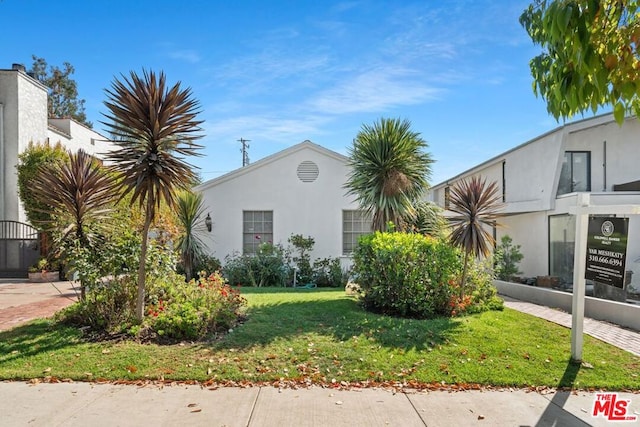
{"points": [[195, 309]]}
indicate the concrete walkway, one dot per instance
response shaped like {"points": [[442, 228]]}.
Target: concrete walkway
{"points": [[84, 404], [21, 301]]}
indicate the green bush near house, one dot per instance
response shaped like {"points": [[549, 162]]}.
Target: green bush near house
{"points": [[267, 267], [416, 276], [507, 256], [406, 275]]}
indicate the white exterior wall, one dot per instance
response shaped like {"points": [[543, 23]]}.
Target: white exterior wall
{"points": [[622, 152], [24, 120], [532, 172], [75, 136], [311, 209], [530, 232]]}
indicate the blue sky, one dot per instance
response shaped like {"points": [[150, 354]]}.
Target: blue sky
{"points": [[280, 72]]}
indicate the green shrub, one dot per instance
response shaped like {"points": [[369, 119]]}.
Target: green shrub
{"points": [[108, 308], [302, 258], [481, 294], [407, 275], [327, 272], [268, 267], [206, 263], [193, 310], [506, 257]]}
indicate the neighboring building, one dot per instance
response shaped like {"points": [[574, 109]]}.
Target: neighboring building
{"points": [[23, 119], [299, 190], [540, 180]]}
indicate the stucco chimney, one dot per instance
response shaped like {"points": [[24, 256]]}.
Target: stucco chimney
{"points": [[19, 67]]}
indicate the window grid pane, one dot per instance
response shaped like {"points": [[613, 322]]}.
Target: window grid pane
{"points": [[355, 223], [257, 228]]}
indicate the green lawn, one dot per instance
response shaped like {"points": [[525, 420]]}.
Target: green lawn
{"points": [[323, 336]]}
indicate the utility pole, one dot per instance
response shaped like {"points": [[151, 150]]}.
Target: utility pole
{"points": [[245, 154]]}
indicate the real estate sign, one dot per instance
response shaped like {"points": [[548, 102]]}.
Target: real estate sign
{"points": [[607, 250]]}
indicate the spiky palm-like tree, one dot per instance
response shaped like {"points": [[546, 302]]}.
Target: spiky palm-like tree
{"points": [[477, 205], [389, 171], [429, 219], [78, 193], [190, 212], [154, 127]]}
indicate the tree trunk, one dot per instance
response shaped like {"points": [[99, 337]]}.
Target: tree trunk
{"points": [[463, 280], [143, 260], [188, 267]]}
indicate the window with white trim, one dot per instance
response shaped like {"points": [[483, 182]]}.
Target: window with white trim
{"points": [[355, 223], [257, 228]]}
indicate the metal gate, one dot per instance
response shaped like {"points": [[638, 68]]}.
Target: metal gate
{"points": [[19, 248]]}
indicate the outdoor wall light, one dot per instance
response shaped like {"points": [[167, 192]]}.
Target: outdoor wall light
{"points": [[208, 222]]}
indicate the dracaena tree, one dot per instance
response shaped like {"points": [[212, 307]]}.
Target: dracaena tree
{"points": [[476, 205], [155, 127], [389, 171], [77, 193], [190, 213]]}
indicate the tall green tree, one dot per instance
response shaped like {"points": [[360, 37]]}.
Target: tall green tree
{"points": [[62, 98], [590, 56], [155, 128], [77, 193], [30, 162], [476, 205], [190, 213], [389, 171]]}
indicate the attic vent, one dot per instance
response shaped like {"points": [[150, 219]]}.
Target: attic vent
{"points": [[307, 171]]}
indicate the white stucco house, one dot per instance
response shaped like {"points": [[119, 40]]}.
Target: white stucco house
{"points": [[298, 190], [540, 181], [23, 119]]}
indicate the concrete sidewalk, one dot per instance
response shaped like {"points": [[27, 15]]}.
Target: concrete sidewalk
{"points": [[85, 404]]}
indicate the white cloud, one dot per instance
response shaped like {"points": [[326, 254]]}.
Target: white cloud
{"points": [[187, 55], [374, 91]]}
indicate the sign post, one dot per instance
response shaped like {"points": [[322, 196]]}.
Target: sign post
{"points": [[579, 283], [582, 212]]}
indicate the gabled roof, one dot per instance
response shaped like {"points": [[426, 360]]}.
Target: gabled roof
{"points": [[304, 145], [572, 127]]}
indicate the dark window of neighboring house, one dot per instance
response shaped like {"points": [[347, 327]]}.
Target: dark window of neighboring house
{"points": [[354, 224], [562, 238], [504, 181], [447, 197], [575, 175], [257, 227]]}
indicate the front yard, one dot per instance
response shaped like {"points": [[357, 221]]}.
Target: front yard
{"points": [[324, 337]]}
